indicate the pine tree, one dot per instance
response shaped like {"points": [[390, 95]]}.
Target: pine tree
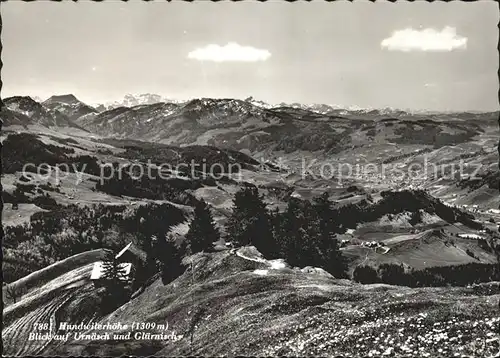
{"points": [[170, 259], [324, 213], [314, 237], [250, 222], [116, 283], [113, 272], [147, 268], [330, 255], [304, 235], [290, 233], [202, 231]]}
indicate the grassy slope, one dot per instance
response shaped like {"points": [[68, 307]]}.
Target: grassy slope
{"points": [[56, 269], [46, 294]]}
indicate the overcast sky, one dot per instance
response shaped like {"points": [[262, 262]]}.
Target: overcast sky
{"points": [[434, 56]]}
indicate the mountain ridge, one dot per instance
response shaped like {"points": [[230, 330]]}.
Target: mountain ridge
{"points": [[37, 113]]}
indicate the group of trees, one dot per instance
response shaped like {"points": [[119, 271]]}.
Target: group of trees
{"points": [[37, 197], [395, 202], [250, 222], [163, 255], [163, 258], [456, 275], [149, 187], [22, 148], [304, 234], [202, 231], [205, 158], [431, 133], [58, 234]]}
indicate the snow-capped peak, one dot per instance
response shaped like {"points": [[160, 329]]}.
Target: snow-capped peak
{"points": [[131, 100], [258, 103]]}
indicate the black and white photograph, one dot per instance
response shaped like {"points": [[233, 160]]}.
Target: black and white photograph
{"points": [[250, 178]]}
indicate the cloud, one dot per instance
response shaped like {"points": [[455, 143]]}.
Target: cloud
{"points": [[428, 39], [230, 52]]}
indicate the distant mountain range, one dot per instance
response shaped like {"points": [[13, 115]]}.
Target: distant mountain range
{"points": [[131, 100], [242, 124]]}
